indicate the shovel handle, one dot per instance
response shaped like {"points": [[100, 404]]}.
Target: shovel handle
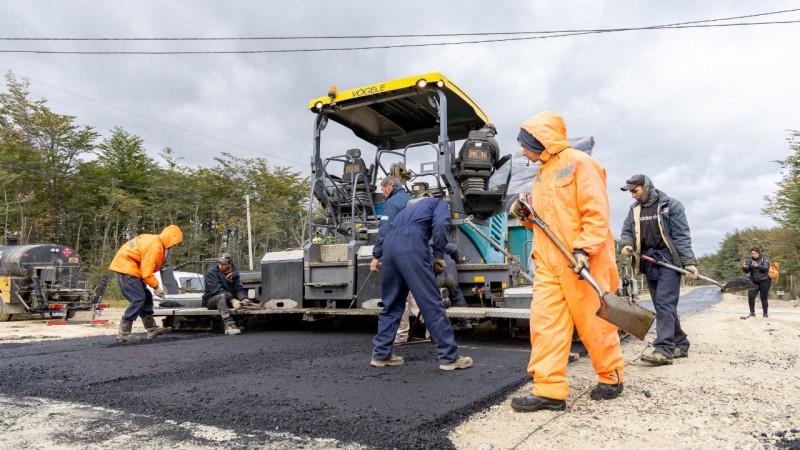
{"points": [[561, 247], [547, 231], [499, 247], [677, 269]]}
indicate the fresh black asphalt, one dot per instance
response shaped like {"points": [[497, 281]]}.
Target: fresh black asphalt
{"points": [[304, 380]]}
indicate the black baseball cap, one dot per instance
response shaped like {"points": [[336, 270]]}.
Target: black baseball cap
{"points": [[636, 180]]}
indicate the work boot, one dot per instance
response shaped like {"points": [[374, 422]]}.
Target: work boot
{"points": [[765, 315], [680, 353], [124, 330], [605, 391], [535, 403], [230, 328], [752, 314], [153, 330], [657, 358], [462, 362], [392, 360]]}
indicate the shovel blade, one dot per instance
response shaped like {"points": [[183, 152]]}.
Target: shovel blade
{"points": [[738, 285], [626, 315]]}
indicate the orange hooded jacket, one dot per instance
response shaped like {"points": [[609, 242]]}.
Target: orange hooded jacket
{"points": [[572, 200], [144, 255]]}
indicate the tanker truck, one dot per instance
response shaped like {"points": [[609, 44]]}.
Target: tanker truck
{"points": [[44, 279]]}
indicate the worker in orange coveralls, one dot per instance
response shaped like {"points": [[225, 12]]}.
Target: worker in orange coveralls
{"points": [[569, 194], [135, 263]]}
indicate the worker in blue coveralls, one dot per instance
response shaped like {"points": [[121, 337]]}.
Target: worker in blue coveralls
{"points": [[408, 265], [448, 279], [396, 199]]}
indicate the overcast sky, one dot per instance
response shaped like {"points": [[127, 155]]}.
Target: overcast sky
{"points": [[704, 112]]}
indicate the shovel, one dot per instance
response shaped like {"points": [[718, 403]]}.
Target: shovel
{"points": [[625, 314], [737, 285]]}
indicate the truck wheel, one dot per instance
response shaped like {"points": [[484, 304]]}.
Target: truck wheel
{"points": [[71, 314]]}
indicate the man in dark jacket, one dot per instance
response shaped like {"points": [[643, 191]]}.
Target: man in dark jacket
{"points": [[758, 267], [656, 226], [408, 265], [224, 290], [396, 200]]}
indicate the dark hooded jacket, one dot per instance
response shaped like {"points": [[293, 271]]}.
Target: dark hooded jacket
{"points": [[220, 283], [672, 223]]}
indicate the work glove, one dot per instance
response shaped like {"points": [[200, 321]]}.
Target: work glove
{"points": [[236, 304], [439, 265], [246, 302], [159, 292], [694, 273], [519, 210], [582, 260], [627, 251]]}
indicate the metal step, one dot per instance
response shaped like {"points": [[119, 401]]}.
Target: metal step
{"points": [[454, 312]]}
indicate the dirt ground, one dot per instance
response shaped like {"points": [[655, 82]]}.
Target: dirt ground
{"points": [[35, 328], [738, 388]]}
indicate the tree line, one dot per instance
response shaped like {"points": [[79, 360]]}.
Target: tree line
{"points": [[780, 243], [60, 182]]}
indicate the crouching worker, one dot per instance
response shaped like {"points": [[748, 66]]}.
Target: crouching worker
{"points": [[224, 290], [135, 263], [408, 265]]}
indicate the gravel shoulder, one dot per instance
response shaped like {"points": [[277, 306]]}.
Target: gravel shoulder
{"points": [[35, 328], [738, 389]]}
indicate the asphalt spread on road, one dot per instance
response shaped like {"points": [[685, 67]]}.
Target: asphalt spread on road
{"points": [[304, 379], [305, 382]]}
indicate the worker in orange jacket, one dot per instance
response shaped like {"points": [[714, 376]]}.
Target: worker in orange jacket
{"points": [[569, 194], [135, 263]]}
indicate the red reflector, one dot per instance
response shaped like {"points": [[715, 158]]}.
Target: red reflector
{"points": [[102, 305], [53, 322], [56, 306], [100, 322]]}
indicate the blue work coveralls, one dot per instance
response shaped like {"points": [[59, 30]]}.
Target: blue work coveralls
{"points": [[408, 265], [395, 203]]}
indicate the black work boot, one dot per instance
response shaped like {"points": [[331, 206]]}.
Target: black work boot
{"points": [[752, 314], [535, 403], [605, 391], [124, 330], [153, 330]]}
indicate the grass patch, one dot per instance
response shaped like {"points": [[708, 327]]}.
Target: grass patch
{"points": [[115, 303]]}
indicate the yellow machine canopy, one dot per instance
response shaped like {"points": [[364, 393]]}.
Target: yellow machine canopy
{"points": [[400, 112]]}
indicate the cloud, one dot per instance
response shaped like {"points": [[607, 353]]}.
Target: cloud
{"points": [[704, 112]]}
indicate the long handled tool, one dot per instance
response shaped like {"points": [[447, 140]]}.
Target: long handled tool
{"points": [[624, 313], [499, 247], [737, 285]]}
